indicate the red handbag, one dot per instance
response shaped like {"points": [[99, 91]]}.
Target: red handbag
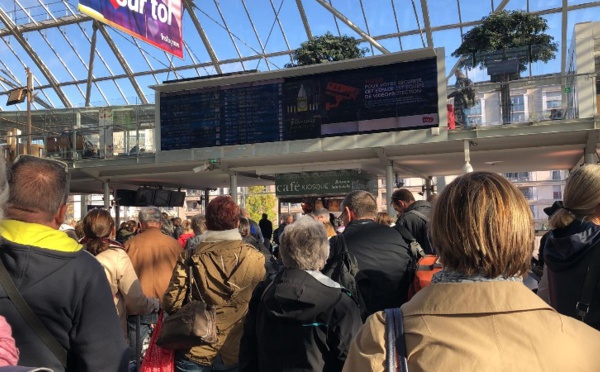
{"points": [[158, 359]]}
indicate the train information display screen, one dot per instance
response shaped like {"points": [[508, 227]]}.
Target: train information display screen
{"points": [[370, 99]]}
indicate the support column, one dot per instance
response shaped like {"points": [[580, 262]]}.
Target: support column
{"points": [[206, 196], [83, 204], [233, 187], [428, 184], [106, 195], [117, 216], [389, 188], [440, 182]]}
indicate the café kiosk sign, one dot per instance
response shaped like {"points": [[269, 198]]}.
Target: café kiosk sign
{"points": [[330, 183]]}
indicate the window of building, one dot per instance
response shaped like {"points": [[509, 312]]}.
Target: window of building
{"points": [[518, 176], [476, 113], [553, 100], [527, 192], [556, 175], [553, 105], [556, 192], [518, 108]]}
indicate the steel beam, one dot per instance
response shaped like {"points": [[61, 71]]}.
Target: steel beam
{"points": [[123, 62], [35, 58], [563, 48], [354, 27], [50, 23], [211, 52], [88, 86], [304, 19], [425, 11]]}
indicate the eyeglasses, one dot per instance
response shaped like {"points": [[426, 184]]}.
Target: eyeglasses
{"points": [[24, 158]]}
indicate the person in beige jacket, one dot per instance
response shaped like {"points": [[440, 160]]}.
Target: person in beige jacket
{"points": [[477, 315], [98, 226], [226, 271]]}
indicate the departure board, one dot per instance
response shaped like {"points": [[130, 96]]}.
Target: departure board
{"points": [[390, 97], [251, 114]]}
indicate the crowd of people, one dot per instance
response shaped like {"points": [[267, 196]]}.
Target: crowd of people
{"points": [[305, 295]]}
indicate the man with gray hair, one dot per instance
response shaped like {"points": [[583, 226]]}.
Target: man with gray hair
{"points": [[64, 286], [153, 255], [321, 215], [383, 256], [301, 319]]}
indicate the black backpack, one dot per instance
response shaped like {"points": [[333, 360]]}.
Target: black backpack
{"points": [[345, 272]]}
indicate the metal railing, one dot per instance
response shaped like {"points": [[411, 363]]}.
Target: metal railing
{"points": [[125, 131], [532, 100]]}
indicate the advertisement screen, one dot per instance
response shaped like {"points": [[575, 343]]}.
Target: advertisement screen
{"points": [[157, 22]]}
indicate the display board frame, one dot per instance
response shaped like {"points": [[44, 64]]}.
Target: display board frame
{"points": [[223, 85]]}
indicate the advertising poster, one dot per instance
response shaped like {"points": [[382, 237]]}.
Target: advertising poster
{"points": [[157, 22], [302, 108], [389, 97]]}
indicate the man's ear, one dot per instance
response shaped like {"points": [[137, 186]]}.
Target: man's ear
{"points": [[59, 217]]}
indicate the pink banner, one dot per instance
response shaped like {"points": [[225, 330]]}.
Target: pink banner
{"points": [[157, 22]]}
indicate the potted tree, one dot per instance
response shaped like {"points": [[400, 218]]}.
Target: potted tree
{"points": [[504, 43]]}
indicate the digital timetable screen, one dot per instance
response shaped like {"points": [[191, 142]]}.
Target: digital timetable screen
{"points": [[390, 97]]}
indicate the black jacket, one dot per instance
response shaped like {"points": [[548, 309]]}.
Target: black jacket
{"points": [[299, 323], [69, 293], [266, 227], [416, 225], [383, 258], [567, 255]]}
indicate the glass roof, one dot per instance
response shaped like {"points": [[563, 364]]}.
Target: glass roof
{"points": [[78, 62]]}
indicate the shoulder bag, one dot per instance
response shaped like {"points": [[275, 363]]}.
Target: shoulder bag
{"points": [[590, 283], [394, 336], [34, 322], [192, 325]]}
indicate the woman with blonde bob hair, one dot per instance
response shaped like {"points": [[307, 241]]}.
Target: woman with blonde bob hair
{"points": [[571, 244], [477, 315]]}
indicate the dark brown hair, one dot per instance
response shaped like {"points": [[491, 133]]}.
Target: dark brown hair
{"points": [[222, 213], [97, 226]]}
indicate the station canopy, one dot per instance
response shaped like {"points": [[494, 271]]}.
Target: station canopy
{"points": [[79, 62]]}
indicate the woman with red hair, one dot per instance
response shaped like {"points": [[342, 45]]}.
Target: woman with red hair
{"points": [[225, 271]]}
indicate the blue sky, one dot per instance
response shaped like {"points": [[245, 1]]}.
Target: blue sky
{"points": [[52, 47]]}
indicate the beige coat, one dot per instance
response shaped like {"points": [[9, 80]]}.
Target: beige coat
{"points": [[226, 273], [125, 286], [488, 326], [153, 255]]}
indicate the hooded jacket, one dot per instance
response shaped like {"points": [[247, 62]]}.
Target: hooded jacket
{"points": [[67, 290], [302, 321], [416, 225], [567, 254], [226, 271]]}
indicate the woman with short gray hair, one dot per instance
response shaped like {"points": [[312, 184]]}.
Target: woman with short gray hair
{"points": [[299, 310]]}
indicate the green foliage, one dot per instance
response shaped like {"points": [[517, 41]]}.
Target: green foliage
{"points": [[521, 32], [327, 48], [259, 202]]}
